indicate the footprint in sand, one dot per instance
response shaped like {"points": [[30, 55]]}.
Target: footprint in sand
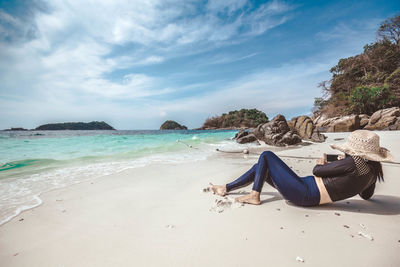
{"points": [[224, 203]]}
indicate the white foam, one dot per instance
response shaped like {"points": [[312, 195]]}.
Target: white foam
{"points": [[23, 193]]}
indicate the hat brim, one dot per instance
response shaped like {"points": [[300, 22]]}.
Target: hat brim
{"points": [[383, 154]]}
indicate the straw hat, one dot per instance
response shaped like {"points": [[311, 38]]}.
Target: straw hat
{"points": [[365, 144]]}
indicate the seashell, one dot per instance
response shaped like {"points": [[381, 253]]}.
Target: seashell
{"points": [[365, 235]]}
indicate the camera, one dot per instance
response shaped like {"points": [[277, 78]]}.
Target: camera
{"points": [[331, 157]]}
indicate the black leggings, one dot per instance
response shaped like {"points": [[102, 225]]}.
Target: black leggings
{"points": [[302, 191]]}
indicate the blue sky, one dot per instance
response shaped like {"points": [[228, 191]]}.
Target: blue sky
{"points": [[135, 64]]}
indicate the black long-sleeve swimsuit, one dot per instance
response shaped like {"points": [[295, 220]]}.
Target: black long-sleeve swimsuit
{"points": [[347, 177]]}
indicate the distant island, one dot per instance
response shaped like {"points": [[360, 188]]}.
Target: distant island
{"points": [[16, 129], [244, 118], [172, 125], [93, 125]]}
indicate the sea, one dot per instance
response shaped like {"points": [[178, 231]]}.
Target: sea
{"points": [[34, 162]]}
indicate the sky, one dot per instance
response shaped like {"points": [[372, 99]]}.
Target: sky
{"points": [[137, 63]]}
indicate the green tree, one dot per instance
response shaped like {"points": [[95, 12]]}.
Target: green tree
{"points": [[376, 67], [369, 99]]}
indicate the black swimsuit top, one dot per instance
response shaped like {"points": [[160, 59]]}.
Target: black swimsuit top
{"points": [[346, 178]]}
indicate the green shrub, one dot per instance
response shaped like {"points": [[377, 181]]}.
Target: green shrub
{"points": [[367, 100]]}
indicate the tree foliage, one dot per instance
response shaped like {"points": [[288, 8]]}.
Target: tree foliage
{"points": [[366, 100], [236, 119], [172, 125], [378, 66]]}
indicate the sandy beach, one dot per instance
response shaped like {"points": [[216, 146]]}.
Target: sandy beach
{"points": [[158, 215]]}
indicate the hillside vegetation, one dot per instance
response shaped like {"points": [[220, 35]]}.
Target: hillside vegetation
{"points": [[365, 83], [244, 118], [172, 125]]}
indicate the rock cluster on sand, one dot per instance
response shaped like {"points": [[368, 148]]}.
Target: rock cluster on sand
{"points": [[384, 119], [277, 132]]}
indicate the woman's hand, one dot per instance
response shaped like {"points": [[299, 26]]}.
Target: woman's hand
{"points": [[322, 161]]}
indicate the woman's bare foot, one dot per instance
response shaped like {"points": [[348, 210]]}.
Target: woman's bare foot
{"points": [[252, 198], [219, 189]]}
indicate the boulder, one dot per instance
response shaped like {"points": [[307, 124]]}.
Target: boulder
{"points": [[394, 127], [345, 124], [383, 118], [290, 138], [318, 137], [277, 132], [364, 120], [247, 139], [323, 125], [339, 124], [241, 134], [304, 127], [319, 118]]}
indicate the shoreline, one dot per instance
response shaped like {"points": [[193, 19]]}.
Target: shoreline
{"points": [[129, 219]]}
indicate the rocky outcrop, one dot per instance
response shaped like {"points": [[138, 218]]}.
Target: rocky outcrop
{"points": [[304, 127], [339, 124], [277, 132], [384, 119], [172, 125]]}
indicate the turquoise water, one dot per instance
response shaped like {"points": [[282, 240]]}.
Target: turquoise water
{"points": [[33, 162]]}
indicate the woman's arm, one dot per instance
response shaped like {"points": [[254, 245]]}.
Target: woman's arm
{"points": [[368, 192], [335, 168]]}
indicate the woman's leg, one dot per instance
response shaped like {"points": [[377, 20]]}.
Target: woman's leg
{"points": [[261, 175], [267, 161], [244, 180], [288, 183]]}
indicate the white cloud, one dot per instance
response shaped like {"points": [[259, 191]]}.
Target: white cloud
{"points": [[75, 39], [62, 63], [271, 90]]}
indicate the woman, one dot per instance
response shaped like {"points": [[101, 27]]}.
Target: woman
{"points": [[354, 174]]}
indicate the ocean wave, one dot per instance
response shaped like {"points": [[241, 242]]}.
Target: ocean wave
{"points": [[23, 181]]}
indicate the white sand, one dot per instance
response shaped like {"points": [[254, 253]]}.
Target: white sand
{"points": [[158, 216]]}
